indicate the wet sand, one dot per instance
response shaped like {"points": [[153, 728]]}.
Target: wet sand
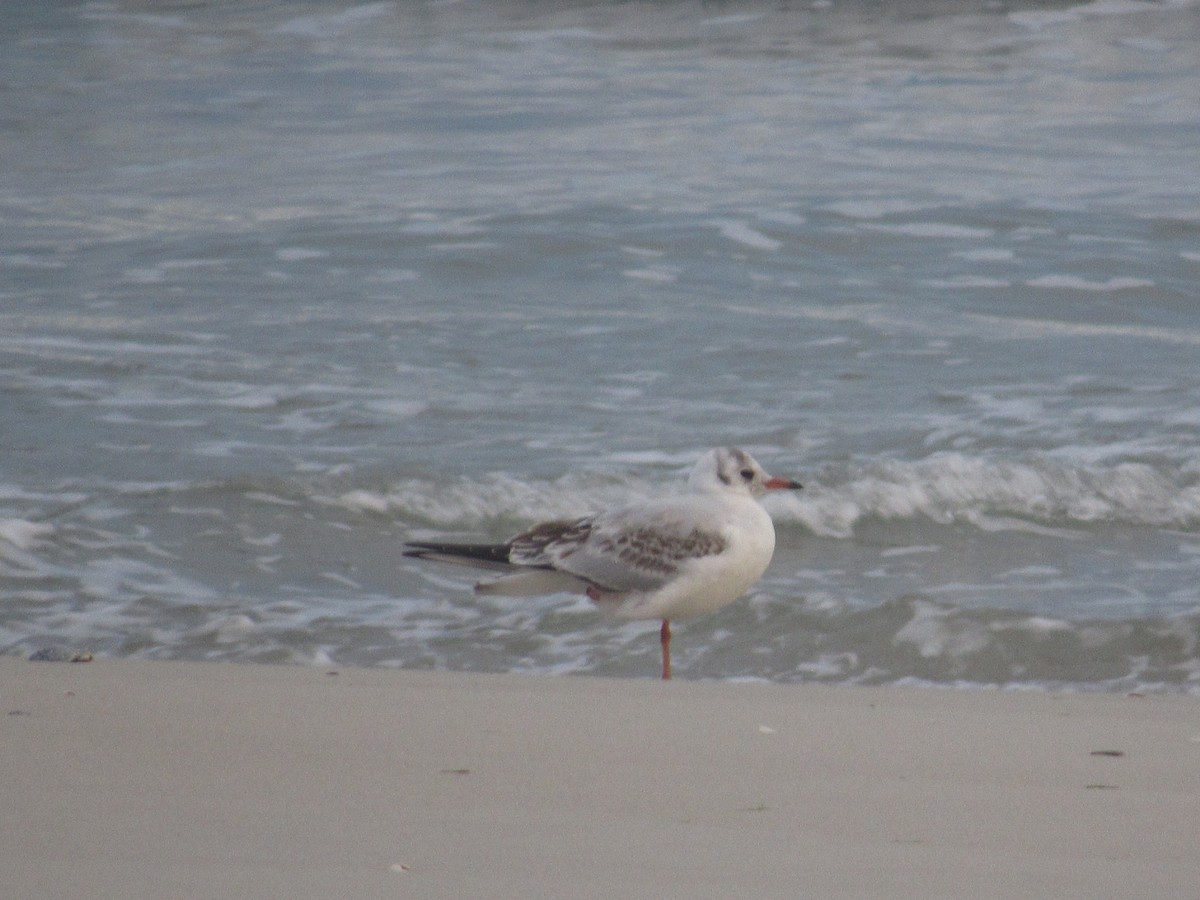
{"points": [[161, 780]]}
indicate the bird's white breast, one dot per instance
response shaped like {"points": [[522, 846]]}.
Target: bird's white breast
{"points": [[706, 584]]}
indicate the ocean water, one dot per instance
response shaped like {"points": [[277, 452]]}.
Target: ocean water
{"points": [[284, 285]]}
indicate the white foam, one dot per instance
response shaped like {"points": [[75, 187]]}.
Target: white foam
{"points": [[644, 252], [1041, 625], [116, 577], [829, 666], [143, 275], [731, 19], [299, 254], [23, 534], [267, 540], [1036, 20], [338, 578], [1033, 572], [334, 24], [471, 504], [1037, 495], [1043, 328], [92, 346], [28, 261], [232, 629], [742, 233], [909, 551], [220, 449], [653, 458], [252, 398], [966, 282], [986, 254], [658, 274], [1077, 283], [464, 245], [365, 501], [935, 632], [995, 524], [872, 208], [300, 421], [397, 409], [940, 230], [274, 499]]}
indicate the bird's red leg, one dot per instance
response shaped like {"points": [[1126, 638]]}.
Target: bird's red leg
{"points": [[665, 637]]}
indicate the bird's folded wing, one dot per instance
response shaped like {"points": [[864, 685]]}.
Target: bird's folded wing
{"points": [[622, 552]]}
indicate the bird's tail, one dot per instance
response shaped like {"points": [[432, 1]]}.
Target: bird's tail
{"points": [[525, 581], [490, 556]]}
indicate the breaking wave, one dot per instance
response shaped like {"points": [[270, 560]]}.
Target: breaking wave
{"points": [[947, 488], [915, 640]]}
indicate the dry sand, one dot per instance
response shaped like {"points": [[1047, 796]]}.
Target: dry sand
{"points": [[165, 780]]}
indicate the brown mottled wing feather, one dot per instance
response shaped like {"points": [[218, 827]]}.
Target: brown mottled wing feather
{"points": [[538, 547], [545, 544], [623, 553]]}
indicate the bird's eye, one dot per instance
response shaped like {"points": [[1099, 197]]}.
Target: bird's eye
{"points": [[747, 474]]}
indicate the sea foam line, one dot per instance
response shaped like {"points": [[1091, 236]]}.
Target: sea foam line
{"points": [[1034, 493]]}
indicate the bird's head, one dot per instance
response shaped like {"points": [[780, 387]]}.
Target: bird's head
{"points": [[732, 470]]}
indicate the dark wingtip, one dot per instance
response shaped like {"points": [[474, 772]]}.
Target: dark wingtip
{"points": [[486, 553]]}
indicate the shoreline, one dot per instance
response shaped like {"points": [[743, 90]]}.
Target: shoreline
{"points": [[150, 779]]}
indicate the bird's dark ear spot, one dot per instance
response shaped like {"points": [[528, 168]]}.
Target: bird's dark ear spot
{"points": [[725, 479]]}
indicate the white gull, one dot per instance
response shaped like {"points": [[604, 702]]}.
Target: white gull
{"points": [[664, 559]]}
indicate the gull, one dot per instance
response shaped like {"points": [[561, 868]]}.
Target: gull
{"points": [[665, 559]]}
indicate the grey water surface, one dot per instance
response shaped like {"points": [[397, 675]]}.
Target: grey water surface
{"points": [[283, 285]]}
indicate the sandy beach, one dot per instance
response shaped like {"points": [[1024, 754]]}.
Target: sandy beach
{"points": [[181, 780]]}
